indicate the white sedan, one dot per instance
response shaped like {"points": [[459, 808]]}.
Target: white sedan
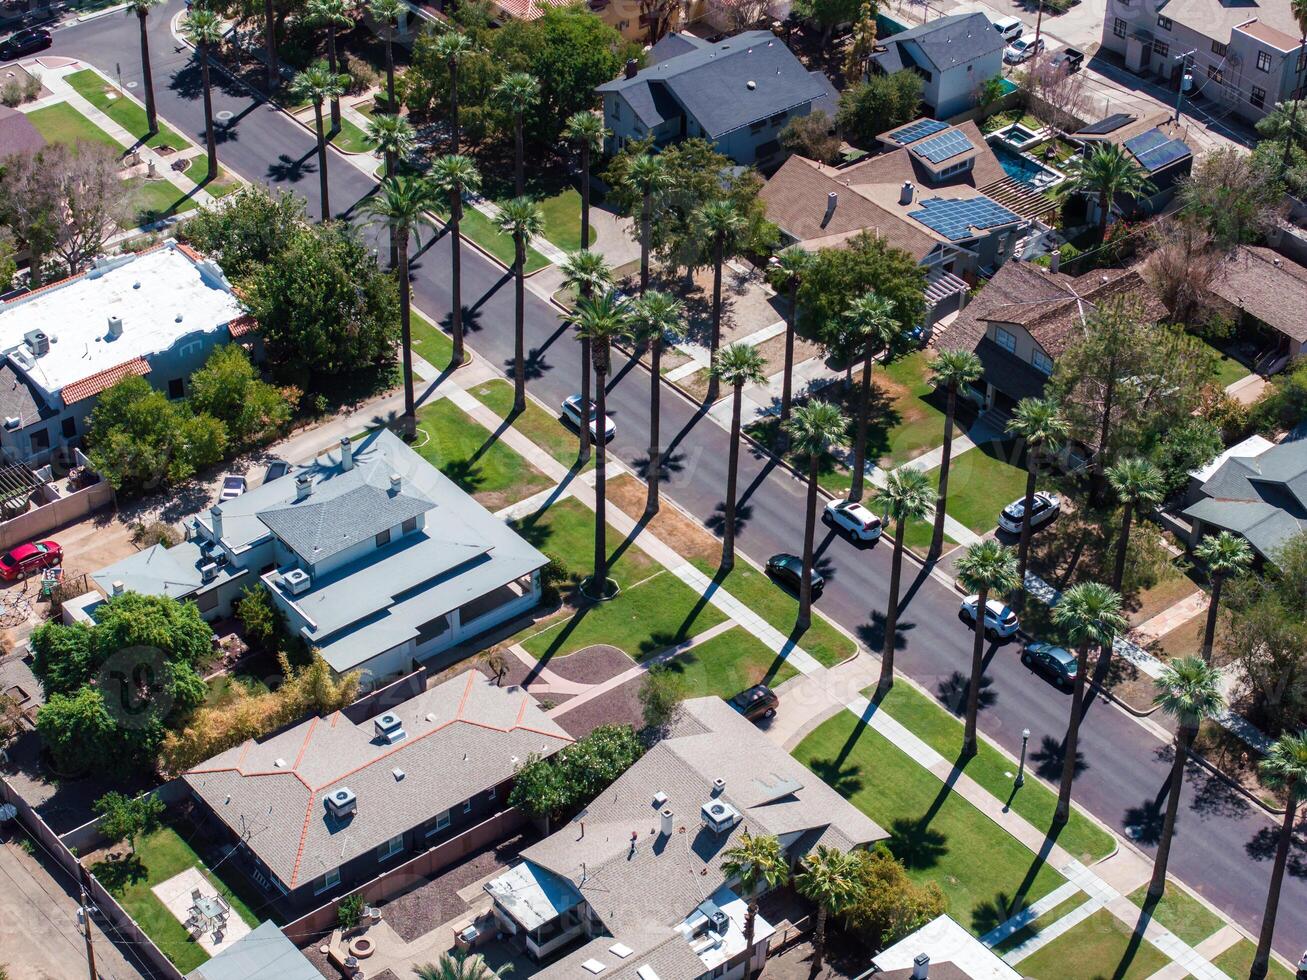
{"points": [[852, 519], [572, 412], [1000, 619], [1046, 507]]}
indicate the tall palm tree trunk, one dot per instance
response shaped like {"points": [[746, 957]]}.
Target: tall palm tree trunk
{"points": [[892, 612], [388, 158], [585, 195], [1104, 432], [653, 475], [1122, 546], [335, 70], [453, 106], [519, 339], [584, 454], [151, 115], [860, 438], [600, 580], [977, 666], [941, 496], [519, 163], [270, 44], [714, 341], [391, 27], [405, 323], [732, 476], [1063, 812], [1262, 958], [210, 138], [1023, 548], [322, 164], [819, 938], [646, 225], [1213, 607], [809, 531], [456, 271], [1104, 202], [1183, 736]]}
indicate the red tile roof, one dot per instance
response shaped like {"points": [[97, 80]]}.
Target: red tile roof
{"points": [[242, 325], [528, 9], [104, 380]]}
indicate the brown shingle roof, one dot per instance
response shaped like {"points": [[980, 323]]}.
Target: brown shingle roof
{"points": [[1267, 286], [104, 380], [17, 134]]}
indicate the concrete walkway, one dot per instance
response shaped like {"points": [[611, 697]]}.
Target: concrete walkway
{"points": [[1171, 618]]}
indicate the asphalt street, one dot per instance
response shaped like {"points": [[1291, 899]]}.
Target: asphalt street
{"points": [[1223, 843]]}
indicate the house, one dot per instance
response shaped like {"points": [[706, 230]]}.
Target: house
{"points": [[263, 954], [941, 950], [372, 555], [1244, 56], [1024, 318], [17, 134], [1156, 144], [1269, 291], [738, 94], [335, 801], [953, 55], [635, 881], [936, 191], [1255, 490], [157, 314]]}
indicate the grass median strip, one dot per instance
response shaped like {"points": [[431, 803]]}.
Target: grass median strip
{"points": [[431, 343], [127, 113], [485, 233], [1184, 915], [1237, 961], [469, 454], [545, 430], [1100, 948]]}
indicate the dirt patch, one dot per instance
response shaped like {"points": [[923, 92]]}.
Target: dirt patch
{"points": [[673, 528], [620, 706], [1236, 759], [593, 665], [696, 384], [773, 352], [519, 674], [1129, 684], [747, 305]]}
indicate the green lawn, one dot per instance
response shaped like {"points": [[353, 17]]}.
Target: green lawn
{"points": [[1039, 924], [538, 425], [1237, 961], [565, 530], [61, 123], [729, 663], [127, 113], [160, 856], [993, 770], [1228, 370], [431, 343], [911, 423], [562, 214], [222, 689], [198, 171], [1184, 915], [476, 227], [981, 482], [453, 442], [986, 874], [349, 137], [822, 641], [153, 200], [1100, 948]]}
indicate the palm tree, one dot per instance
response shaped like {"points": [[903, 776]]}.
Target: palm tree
{"points": [[388, 12], [393, 137], [586, 131], [141, 8], [601, 320], [787, 273], [1038, 421], [459, 965], [203, 29], [1137, 482], [814, 430], [401, 203], [1283, 768], [586, 272], [1091, 615], [1107, 172], [332, 14], [905, 497], [647, 175], [870, 318], [828, 878], [1224, 554], [1190, 692], [987, 567], [756, 864], [722, 222], [316, 84], [455, 175], [737, 365], [453, 46], [950, 370], [521, 217], [517, 92], [656, 318], [270, 45]]}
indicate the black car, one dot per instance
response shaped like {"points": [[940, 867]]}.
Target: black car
{"points": [[25, 42], [1056, 663], [1072, 58], [788, 571], [276, 470], [759, 701]]}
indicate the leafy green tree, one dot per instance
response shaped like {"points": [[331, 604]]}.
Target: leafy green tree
{"points": [[866, 262], [142, 8], [890, 905], [316, 84], [388, 12], [459, 965], [33, 207], [877, 104], [657, 319], [1183, 448], [81, 735], [456, 175], [585, 130], [126, 818], [260, 617], [203, 28], [131, 620], [1107, 173], [829, 878], [540, 788], [452, 47], [787, 273], [1284, 768], [863, 45], [140, 440], [905, 497], [593, 762], [522, 219], [228, 388], [646, 176], [814, 430], [63, 658], [757, 863], [518, 93], [1137, 483], [827, 14], [951, 370], [249, 230], [8, 251], [738, 365], [870, 320], [1225, 555], [1190, 692], [586, 273], [333, 15], [1040, 425], [661, 693], [812, 136], [986, 569]]}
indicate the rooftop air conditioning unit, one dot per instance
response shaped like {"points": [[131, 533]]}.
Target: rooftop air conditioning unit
{"points": [[714, 918], [389, 728], [342, 802], [297, 580], [719, 816], [38, 342], [208, 571]]}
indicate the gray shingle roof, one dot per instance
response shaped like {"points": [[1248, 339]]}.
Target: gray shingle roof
{"points": [[1263, 498], [945, 42], [338, 517]]}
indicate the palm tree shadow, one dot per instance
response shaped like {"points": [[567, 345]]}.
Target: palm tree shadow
{"points": [[872, 634], [952, 691], [717, 522], [286, 170], [471, 321], [844, 779], [1048, 758]]}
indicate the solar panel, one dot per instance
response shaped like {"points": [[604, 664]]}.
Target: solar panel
{"points": [[954, 219], [1146, 141], [1161, 156], [940, 148], [1109, 125], [917, 130]]}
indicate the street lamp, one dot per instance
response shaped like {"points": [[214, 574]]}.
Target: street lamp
{"points": [[1021, 769]]}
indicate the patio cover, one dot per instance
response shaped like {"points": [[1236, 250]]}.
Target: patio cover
{"points": [[532, 895]]}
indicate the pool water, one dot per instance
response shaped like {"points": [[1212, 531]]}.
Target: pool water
{"points": [[1018, 135], [1022, 168]]}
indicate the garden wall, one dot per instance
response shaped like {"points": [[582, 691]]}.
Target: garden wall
{"points": [[44, 519]]}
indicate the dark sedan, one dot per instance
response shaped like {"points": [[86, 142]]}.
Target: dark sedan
{"points": [[788, 571], [1053, 662], [26, 42]]}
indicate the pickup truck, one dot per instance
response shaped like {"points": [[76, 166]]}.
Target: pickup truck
{"points": [[1072, 58]]}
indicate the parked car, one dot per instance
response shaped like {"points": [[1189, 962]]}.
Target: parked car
{"points": [[759, 701], [852, 519], [233, 485], [572, 413], [1055, 663], [1009, 28], [26, 42], [276, 470], [1023, 49], [1072, 58], [1047, 506], [28, 558], [1000, 620], [788, 571]]}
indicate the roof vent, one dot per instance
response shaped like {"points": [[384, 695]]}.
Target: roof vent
{"points": [[389, 728], [115, 328], [39, 343], [659, 800], [342, 802], [398, 774], [396, 482], [719, 816], [137, 284], [751, 85], [279, 764], [297, 580], [13, 422], [906, 192], [431, 716]]}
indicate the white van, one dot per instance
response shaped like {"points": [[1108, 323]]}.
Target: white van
{"points": [[1009, 28]]}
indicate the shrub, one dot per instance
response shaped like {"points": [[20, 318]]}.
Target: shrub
{"points": [[124, 818], [228, 388], [1230, 415], [261, 619], [350, 911], [11, 93], [1284, 403], [551, 577], [156, 532], [889, 905], [547, 788], [362, 76]]}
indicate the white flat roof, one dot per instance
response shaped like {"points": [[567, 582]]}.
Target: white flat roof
{"points": [[162, 296], [1254, 445], [944, 941]]}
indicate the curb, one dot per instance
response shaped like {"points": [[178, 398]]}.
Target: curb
{"points": [[96, 15]]}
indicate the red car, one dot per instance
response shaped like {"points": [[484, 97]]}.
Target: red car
{"points": [[30, 557]]}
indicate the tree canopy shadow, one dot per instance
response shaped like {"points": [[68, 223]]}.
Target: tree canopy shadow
{"points": [[953, 691], [993, 912], [1048, 758], [118, 875], [1261, 847]]}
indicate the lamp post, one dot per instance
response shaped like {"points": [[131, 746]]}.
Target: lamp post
{"points": [[1021, 768]]}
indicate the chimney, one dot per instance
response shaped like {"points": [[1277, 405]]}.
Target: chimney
{"points": [[718, 786], [1055, 260], [118, 587], [346, 453], [832, 199], [665, 827], [920, 967], [115, 327], [905, 192], [303, 486], [396, 482], [632, 68], [215, 513]]}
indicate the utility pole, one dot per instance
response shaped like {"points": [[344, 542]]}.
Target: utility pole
{"points": [[86, 923], [1179, 89], [1039, 23]]}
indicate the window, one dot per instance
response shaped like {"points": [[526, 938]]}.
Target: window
{"points": [[467, 806], [176, 388], [491, 794], [411, 524], [330, 880], [1042, 362], [1263, 61], [1259, 97], [1164, 22], [1118, 27], [39, 440], [438, 823], [1218, 49], [1214, 73], [69, 428], [1005, 340], [383, 538], [190, 348], [757, 126], [1161, 49], [390, 848]]}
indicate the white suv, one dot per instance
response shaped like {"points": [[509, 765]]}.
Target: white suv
{"points": [[572, 412], [1046, 507], [1000, 620], [852, 519]]}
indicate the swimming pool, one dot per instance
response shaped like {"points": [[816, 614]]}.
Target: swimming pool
{"points": [[1024, 169]]}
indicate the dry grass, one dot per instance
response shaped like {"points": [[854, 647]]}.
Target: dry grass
{"points": [[672, 527]]}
